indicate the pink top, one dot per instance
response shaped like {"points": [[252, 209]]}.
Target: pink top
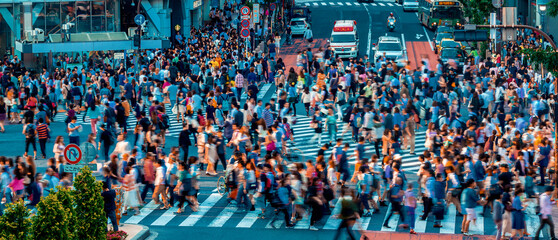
{"points": [[16, 184]]}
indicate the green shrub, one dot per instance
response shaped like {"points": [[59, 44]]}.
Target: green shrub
{"points": [[66, 197], [51, 221], [15, 224], [92, 221]]}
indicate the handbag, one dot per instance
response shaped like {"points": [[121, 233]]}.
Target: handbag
{"points": [[313, 125]]}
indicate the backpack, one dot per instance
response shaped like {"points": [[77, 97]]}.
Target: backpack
{"points": [[226, 105], [144, 89], [358, 120], [165, 121], [30, 131], [231, 180], [201, 120]]}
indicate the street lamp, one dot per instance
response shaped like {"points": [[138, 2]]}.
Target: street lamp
{"points": [[542, 11]]}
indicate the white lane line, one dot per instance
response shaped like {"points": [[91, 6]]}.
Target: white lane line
{"points": [[166, 217], [369, 31], [389, 4], [315, 4], [348, 3], [202, 210], [448, 224], [404, 43], [373, 4], [428, 37], [333, 222], [392, 221], [381, 4], [420, 226], [223, 217], [276, 224], [144, 212], [323, 3], [248, 220]]}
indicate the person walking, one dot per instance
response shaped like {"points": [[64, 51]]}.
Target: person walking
{"points": [[131, 191], [308, 36], [498, 215], [348, 215], [410, 206], [73, 130], [160, 185], [396, 193], [546, 203], [30, 132], [42, 131], [109, 195]]}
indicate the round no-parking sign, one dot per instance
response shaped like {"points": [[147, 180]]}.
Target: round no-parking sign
{"points": [[72, 154], [244, 33], [245, 10], [245, 23]]}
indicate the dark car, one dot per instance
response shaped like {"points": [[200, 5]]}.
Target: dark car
{"points": [[301, 12]]}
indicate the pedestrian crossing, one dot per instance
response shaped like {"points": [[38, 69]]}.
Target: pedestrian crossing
{"points": [[175, 126], [350, 4], [216, 212], [303, 135]]}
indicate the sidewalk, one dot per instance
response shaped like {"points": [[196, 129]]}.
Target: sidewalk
{"points": [[135, 232]]}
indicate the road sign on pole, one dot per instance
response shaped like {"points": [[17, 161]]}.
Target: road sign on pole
{"points": [[245, 10], [272, 7], [72, 154], [256, 13], [139, 19], [245, 33], [245, 23]]}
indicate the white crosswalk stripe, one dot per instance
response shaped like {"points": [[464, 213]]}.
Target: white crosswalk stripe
{"points": [[303, 135], [222, 216], [381, 4]]}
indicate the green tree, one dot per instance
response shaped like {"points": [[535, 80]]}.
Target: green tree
{"points": [[66, 197], [546, 57], [92, 221], [478, 11], [552, 8], [15, 224], [51, 221]]}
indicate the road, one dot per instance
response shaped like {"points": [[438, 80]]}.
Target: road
{"points": [[217, 220]]}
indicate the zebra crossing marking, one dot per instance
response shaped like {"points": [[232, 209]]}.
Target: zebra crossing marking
{"points": [[333, 222], [143, 213], [202, 210], [392, 221], [248, 220], [166, 217], [448, 224], [223, 217]]}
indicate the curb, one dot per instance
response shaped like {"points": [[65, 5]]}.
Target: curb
{"points": [[143, 234]]}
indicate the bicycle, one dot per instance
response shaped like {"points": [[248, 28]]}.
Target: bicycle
{"points": [[293, 154]]}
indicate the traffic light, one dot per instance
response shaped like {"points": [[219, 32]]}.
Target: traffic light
{"points": [[470, 35], [137, 41]]}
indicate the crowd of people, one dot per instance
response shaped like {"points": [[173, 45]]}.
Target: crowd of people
{"points": [[489, 134]]}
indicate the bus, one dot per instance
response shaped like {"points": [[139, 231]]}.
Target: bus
{"points": [[434, 13]]}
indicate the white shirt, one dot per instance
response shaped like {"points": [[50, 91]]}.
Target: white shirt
{"points": [[159, 176], [546, 205]]}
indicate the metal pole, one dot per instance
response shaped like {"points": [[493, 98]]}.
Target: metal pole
{"points": [[546, 37]]}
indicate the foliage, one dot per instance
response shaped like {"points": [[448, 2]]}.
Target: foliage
{"points": [[66, 197], [92, 221], [546, 57], [116, 235], [552, 8], [478, 11], [51, 221], [16, 222]]}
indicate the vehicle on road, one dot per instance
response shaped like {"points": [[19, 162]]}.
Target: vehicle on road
{"points": [[439, 37], [299, 11], [410, 5], [391, 24], [344, 39], [448, 43], [298, 26], [435, 13], [392, 49], [454, 57]]}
